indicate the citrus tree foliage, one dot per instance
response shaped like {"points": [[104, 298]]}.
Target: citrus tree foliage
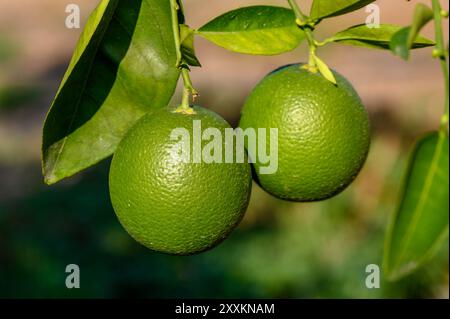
{"points": [[131, 53]]}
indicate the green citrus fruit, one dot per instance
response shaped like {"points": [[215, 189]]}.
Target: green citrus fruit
{"points": [[323, 132], [169, 204]]}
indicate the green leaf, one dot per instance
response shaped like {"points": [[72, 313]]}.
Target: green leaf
{"points": [[399, 43], [421, 222], [378, 38], [322, 9], [259, 30], [422, 15], [325, 70], [403, 40], [123, 66], [187, 46]]}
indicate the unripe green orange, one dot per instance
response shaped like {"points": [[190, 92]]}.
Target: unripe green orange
{"points": [[169, 205], [323, 132]]}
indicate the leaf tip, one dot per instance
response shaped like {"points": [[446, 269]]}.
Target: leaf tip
{"points": [[50, 179], [325, 71]]}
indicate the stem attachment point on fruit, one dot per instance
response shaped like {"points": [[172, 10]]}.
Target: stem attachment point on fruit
{"points": [[312, 65], [188, 89], [303, 22]]}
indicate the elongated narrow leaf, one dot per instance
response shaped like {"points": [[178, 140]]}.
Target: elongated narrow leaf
{"points": [[259, 30], [421, 223], [321, 9], [379, 38], [403, 39], [123, 66]]}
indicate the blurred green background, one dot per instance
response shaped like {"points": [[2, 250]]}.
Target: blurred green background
{"points": [[281, 249]]}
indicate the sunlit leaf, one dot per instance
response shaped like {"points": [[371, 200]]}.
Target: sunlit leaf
{"points": [[321, 9], [379, 38], [123, 66], [259, 30], [421, 222]]}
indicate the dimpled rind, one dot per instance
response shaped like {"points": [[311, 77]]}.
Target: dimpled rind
{"points": [[166, 204], [323, 132]]}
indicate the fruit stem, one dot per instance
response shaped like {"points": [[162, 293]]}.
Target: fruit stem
{"points": [[176, 30], [443, 57], [302, 21], [188, 88]]}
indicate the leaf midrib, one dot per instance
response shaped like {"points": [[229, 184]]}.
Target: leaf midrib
{"points": [[244, 31], [423, 195]]}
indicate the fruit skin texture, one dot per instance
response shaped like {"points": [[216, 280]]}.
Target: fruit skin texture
{"points": [[323, 132], [168, 205]]}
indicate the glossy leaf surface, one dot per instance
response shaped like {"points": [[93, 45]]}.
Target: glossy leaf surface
{"points": [[421, 222], [259, 30], [123, 66]]}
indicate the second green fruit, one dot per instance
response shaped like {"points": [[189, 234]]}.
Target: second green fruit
{"points": [[323, 132]]}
